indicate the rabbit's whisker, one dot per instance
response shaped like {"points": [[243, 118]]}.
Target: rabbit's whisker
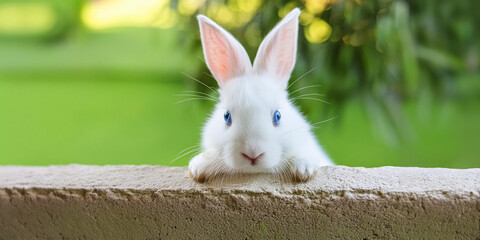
{"points": [[203, 60], [324, 121], [295, 129], [201, 83], [310, 94], [188, 148], [201, 93], [188, 152], [296, 80], [309, 98], [197, 98], [302, 88]]}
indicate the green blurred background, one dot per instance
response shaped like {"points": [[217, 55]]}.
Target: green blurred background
{"points": [[99, 82]]}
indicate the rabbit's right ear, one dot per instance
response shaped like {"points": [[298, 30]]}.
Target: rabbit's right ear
{"points": [[225, 56], [278, 50]]}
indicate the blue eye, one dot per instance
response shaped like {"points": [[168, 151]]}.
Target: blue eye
{"points": [[276, 117], [228, 117]]}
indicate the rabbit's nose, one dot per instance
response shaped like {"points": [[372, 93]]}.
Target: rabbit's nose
{"points": [[253, 160]]}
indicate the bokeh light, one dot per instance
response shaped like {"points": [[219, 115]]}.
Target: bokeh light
{"points": [[318, 31], [189, 7], [26, 17], [317, 6], [120, 13]]}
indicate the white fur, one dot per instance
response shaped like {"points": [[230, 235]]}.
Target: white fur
{"points": [[252, 98]]}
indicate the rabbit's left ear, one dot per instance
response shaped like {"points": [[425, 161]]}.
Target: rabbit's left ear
{"points": [[278, 50]]}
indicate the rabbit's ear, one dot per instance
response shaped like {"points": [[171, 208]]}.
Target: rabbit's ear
{"points": [[278, 50], [225, 56]]}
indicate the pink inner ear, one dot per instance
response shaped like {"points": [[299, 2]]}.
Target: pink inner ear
{"points": [[219, 53], [278, 52], [286, 42]]}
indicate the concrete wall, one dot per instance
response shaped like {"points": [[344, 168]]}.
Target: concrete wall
{"points": [[152, 202]]}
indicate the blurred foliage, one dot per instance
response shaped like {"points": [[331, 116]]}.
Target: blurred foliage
{"points": [[33, 20], [381, 53]]}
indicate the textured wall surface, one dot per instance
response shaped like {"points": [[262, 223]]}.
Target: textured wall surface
{"points": [[152, 202]]}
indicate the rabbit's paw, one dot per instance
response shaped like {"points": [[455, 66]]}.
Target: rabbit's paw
{"points": [[197, 169], [303, 171]]}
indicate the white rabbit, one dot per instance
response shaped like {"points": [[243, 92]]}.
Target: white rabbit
{"points": [[255, 127]]}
